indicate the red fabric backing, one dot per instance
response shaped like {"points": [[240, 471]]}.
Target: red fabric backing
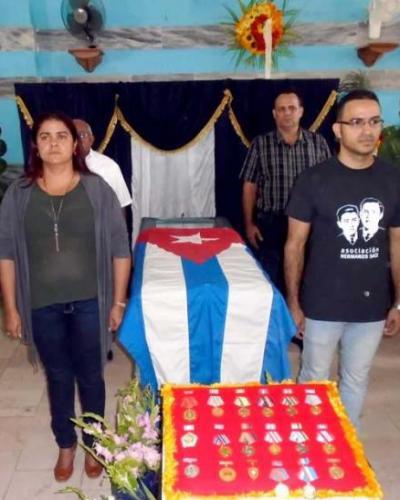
{"points": [[206, 455]]}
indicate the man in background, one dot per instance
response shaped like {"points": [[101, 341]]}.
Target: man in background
{"points": [[272, 164], [102, 165]]}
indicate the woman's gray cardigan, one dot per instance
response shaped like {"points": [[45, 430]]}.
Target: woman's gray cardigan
{"points": [[111, 241]]}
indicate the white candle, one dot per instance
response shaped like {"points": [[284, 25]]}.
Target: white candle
{"points": [[267, 32]]}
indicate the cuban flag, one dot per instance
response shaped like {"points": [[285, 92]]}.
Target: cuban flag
{"points": [[203, 311]]}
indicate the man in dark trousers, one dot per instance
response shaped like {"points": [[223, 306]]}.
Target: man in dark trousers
{"points": [[272, 165], [339, 293]]}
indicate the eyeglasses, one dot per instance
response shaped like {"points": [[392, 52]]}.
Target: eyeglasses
{"points": [[84, 135], [361, 122]]}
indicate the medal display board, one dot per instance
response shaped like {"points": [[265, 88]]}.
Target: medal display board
{"points": [[270, 441]]}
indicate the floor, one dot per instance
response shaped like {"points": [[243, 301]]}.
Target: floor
{"points": [[28, 453]]}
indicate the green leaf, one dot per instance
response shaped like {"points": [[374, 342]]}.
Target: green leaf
{"points": [[232, 13], [268, 378], [70, 489], [390, 146], [244, 7]]}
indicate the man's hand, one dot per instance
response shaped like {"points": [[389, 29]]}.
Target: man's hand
{"points": [[12, 323], [392, 323], [253, 235], [299, 318]]}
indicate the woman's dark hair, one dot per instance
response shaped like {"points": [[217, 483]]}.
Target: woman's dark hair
{"points": [[35, 163]]}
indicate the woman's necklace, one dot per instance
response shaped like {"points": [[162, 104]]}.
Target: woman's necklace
{"points": [[55, 214], [56, 217]]}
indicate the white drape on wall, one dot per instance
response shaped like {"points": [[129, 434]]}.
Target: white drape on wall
{"points": [[173, 185]]}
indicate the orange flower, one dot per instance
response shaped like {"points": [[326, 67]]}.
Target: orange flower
{"points": [[249, 29]]}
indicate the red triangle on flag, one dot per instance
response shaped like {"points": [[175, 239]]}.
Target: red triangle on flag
{"points": [[196, 244]]}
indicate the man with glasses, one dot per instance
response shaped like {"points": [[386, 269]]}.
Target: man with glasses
{"points": [[101, 164], [340, 294]]}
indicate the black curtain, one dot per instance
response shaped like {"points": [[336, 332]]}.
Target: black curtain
{"points": [[169, 114]]}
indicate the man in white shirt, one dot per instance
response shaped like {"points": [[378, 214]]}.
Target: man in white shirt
{"points": [[101, 164]]}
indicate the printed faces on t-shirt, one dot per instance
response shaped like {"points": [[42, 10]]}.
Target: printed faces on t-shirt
{"points": [[358, 225]]}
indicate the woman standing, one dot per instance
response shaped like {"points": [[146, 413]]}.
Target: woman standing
{"points": [[64, 270]]}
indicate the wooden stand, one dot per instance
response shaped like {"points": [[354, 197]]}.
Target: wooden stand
{"points": [[89, 58], [370, 53]]}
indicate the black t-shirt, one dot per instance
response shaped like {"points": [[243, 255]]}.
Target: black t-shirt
{"points": [[347, 270]]}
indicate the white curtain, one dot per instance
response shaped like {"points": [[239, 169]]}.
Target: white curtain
{"points": [[173, 185]]}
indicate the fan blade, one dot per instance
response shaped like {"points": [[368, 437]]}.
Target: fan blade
{"points": [[96, 20], [77, 4]]}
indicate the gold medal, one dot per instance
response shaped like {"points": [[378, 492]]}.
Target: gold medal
{"points": [[336, 472], [329, 448], [227, 474], [302, 448], [191, 471], [316, 410], [267, 412], [248, 450], [225, 451], [189, 414], [275, 449], [189, 440], [244, 412], [217, 411], [291, 410], [253, 472]]}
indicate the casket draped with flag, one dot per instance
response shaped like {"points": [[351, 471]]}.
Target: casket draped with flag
{"points": [[203, 311]]}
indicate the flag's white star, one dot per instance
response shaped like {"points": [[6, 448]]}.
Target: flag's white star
{"points": [[196, 239]]}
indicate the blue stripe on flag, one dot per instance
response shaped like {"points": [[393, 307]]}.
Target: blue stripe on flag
{"points": [[135, 342], [207, 295], [281, 329]]}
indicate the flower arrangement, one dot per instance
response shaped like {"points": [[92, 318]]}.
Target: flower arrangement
{"points": [[389, 147], [130, 451], [247, 31]]}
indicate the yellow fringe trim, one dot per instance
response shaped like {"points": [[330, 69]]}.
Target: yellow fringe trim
{"points": [[237, 127], [324, 111], [372, 491], [227, 99], [111, 127], [203, 132], [24, 110]]}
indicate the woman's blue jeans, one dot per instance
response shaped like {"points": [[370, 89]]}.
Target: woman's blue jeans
{"points": [[67, 338]]}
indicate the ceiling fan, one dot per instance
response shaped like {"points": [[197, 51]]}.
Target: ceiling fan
{"points": [[85, 19]]}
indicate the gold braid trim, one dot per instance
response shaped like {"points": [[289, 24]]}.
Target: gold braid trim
{"points": [[203, 132], [110, 128], [169, 443], [24, 110], [324, 111], [236, 125]]}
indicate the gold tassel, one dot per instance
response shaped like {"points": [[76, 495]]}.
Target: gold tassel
{"points": [[24, 110], [237, 127], [324, 111], [111, 127]]}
